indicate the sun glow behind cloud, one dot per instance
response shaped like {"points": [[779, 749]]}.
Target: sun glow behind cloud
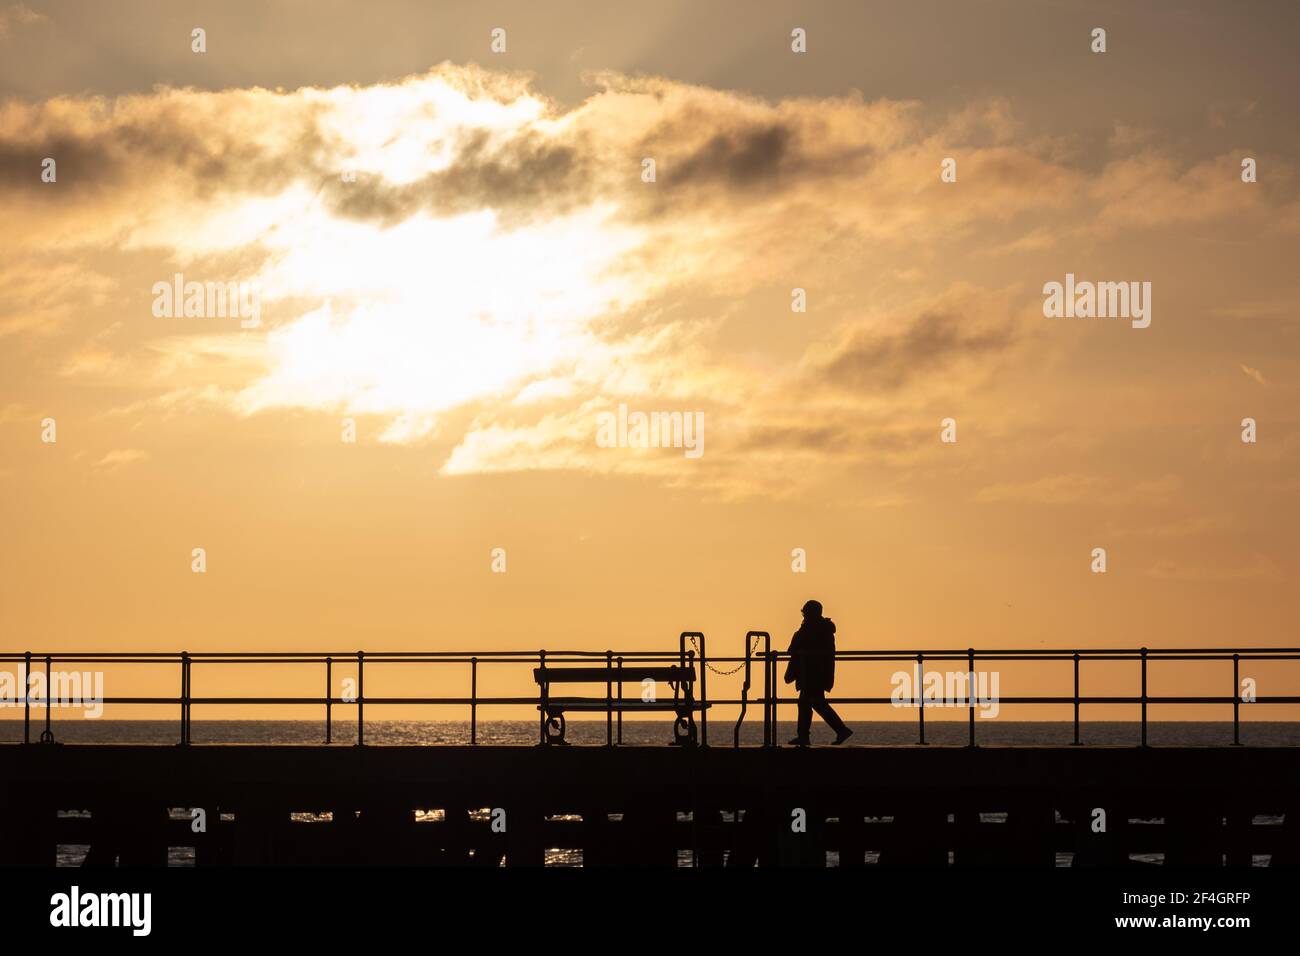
{"points": [[436, 313], [408, 131]]}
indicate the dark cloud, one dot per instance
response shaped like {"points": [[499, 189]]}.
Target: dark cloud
{"points": [[522, 177], [846, 437], [739, 158], [207, 152], [816, 438], [755, 158], [201, 151], [258, 142], [937, 341]]}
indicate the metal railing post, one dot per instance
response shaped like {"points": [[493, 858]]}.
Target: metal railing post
{"points": [[361, 698], [1236, 700], [1076, 700], [771, 695], [679, 688], [541, 711], [609, 698], [769, 692], [744, 696], [27, 697], [185, 697], [473, 701], [47, 735], [970, 690], [619, 718], [920, 695], [1144, 697], [329, 700], [704, 694]]}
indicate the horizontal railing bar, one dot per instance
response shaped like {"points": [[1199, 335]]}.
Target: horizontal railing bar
{"points": [[368, 700], [982, 656], [910, 702], [522, 656], [941, 704]]}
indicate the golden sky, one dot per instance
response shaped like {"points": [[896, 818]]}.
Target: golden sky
{"points": [[499, 273]]}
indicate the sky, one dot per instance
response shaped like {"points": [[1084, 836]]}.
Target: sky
{"points": [[457, 260]]}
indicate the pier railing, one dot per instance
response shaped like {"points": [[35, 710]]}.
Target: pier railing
{"points": [[758, 656], [1142, 658]]}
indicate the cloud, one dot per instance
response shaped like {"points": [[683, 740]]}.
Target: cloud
{"points": [[869, 358], [935, 346], [1185, 527], [18, 15], [1260, 568], [119, 457], [524, 178], [1074, 488], [1282, 307], [37, 296], [1253, 373], [1154, 189], [496, 269], [463, 139]]}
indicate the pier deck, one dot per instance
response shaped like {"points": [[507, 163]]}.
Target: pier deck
{"points": [[884, 806]]}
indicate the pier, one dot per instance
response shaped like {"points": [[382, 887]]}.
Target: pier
{"points": [[905, 806], [701, 802]]}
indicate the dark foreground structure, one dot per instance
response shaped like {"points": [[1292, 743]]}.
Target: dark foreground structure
{"points": [[669, 806], [694, 803]]}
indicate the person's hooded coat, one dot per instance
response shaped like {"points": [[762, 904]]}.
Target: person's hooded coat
{"points": [[812, 656]]}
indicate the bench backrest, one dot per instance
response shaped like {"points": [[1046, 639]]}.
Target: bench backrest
{"points": [[633, 673]]}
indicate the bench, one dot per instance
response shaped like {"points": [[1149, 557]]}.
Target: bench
{"points": [[683, 703]]}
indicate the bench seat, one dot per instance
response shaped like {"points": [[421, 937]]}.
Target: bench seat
{"points": [[559, 704], [630, 674]]}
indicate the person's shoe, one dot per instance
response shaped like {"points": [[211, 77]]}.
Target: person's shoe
{"points": [[843, 735], [799, 742]]}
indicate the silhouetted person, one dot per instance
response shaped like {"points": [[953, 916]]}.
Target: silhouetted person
{"points": [[812, 671]]}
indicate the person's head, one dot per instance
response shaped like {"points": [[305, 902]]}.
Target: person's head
{"points": [[812, 610]]}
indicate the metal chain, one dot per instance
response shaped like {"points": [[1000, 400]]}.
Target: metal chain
{"points": [[715, 670]]}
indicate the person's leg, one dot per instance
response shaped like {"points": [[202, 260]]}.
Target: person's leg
{"points": [[804, 727], [827, 713]]}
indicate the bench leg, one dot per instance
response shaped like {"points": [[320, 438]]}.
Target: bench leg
{"points": [[553, 728], [684, 733]]}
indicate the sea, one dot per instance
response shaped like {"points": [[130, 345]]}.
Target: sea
{"points": [[649, 733]]}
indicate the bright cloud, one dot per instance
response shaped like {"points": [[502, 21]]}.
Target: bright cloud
{"points": [[479, 268]]}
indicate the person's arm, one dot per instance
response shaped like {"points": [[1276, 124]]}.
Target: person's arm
{"points": [[792, 665], [830, 665]]}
